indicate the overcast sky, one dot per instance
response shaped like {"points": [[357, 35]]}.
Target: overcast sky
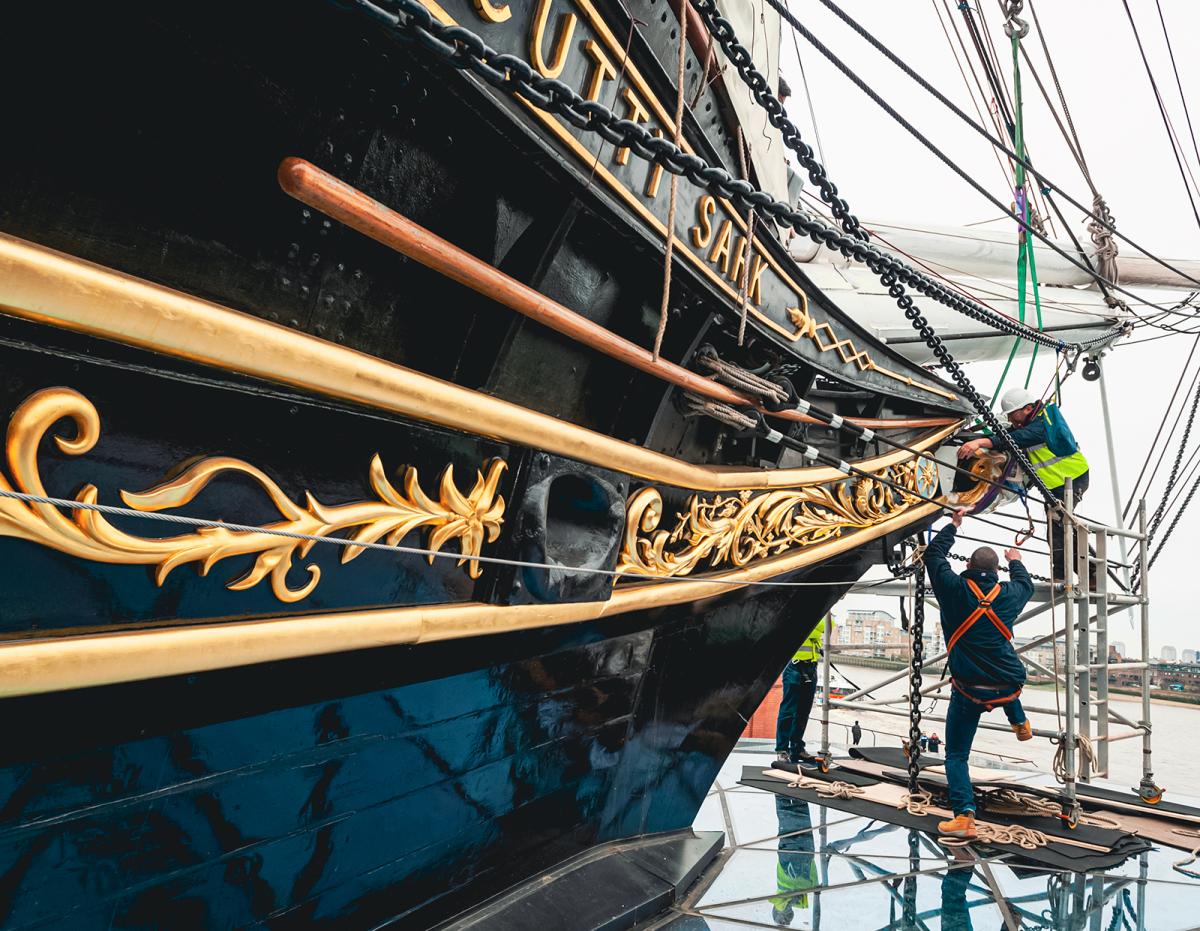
{"points": [[886, 175]]}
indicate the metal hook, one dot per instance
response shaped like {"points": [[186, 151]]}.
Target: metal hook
{"points": [[1015, 24]]}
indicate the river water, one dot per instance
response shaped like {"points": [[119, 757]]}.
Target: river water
{"points": [[1176, 742]]}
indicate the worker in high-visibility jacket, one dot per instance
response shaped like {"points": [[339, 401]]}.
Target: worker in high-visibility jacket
{"points": [[1042, 432], [796, 871], [799, 690]]}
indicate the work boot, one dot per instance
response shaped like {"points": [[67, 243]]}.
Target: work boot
{"points": [[783, 756], [959, 826], [1024, 730]]}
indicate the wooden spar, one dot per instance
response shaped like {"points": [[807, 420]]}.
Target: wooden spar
{"points": [[322, 191]]}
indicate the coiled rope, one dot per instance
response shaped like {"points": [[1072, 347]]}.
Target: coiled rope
{"points": [[1181, 865]]}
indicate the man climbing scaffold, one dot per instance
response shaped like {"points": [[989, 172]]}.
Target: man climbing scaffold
{"points": [[978, 611]]}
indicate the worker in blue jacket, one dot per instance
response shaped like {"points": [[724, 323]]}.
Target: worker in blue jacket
{"points": [[1040, 429], [978, 611]]}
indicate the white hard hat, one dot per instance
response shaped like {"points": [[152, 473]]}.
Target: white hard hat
{"points": [[1016, 398]]}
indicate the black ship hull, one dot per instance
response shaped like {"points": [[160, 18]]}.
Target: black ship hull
{"points": [[211, 727], [405, 784]]}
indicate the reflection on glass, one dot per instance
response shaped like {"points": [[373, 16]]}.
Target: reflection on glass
{"points": [[956, 916], [796, 872]]}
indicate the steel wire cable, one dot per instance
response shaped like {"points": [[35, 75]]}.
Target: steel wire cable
{"points": [[1162, 112], [1156, 519], [1178, 84], [430, 554], [1195, 386], [1170, 529], [722, 30], [961, 114], [465, 50], [854, 78]]}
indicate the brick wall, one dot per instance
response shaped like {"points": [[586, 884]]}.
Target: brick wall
{"points": [[762, 722]]}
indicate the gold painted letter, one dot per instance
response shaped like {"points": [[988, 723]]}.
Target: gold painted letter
{"points": [[702, 231], [604, 70], [491, 13], [637, 113], [720, 251], [656, 172], [754, 288], [739, 262], [553, 68]]}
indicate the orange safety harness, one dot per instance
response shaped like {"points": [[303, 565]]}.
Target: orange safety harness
{"points": [[983, 610]]}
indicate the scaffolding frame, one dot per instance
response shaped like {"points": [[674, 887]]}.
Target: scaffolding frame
{"points": [[1087, 669]]}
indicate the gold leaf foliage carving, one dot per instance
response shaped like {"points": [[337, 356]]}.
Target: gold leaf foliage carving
{"points": [[470, 519], [730, 531]]}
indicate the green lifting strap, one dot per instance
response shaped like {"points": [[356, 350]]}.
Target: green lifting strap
{"points": [[1026, 265]]}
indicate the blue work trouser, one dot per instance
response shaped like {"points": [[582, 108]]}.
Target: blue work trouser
{"points": [[962, 721], [799, 689]]}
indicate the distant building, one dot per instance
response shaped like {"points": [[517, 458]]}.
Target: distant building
{"points": [[1119, 647], [1044, 655], [875, 631], [1189, 656], [1168, 655]]}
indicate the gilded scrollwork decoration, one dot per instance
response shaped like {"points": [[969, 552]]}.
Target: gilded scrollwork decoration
{"points": [[731, 531], [470, 519]]}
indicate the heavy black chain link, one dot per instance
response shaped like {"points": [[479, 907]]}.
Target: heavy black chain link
{"points": [[1036, 578], [910, 922], [917, 632], [466, 51], [907, 563], [722, 30], [741, 58]]}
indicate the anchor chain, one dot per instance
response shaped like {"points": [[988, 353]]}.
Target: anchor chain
{"points": [[409, 21], [722, 31], [465, 50], [912, 566], [917, 632]]}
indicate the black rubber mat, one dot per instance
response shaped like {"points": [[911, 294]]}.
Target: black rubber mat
{"points": [[835, 774], [1132, 798], [1058, 856], [893, 756]]}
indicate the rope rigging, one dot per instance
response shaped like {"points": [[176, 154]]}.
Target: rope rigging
{"points": [[1178, 84], [942, 156], [1026, 265], [1099, 229], [1137, 490], [465, 50], [677, 136], [721, 30], [1162, 112], [962, 115]]}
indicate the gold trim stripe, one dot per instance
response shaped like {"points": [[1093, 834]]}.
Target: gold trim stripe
{"points": [[29, 668], [46, 286]]}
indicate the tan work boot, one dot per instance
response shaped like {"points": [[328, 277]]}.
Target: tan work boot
{"points": [[1024, 730], [960, 826]]}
